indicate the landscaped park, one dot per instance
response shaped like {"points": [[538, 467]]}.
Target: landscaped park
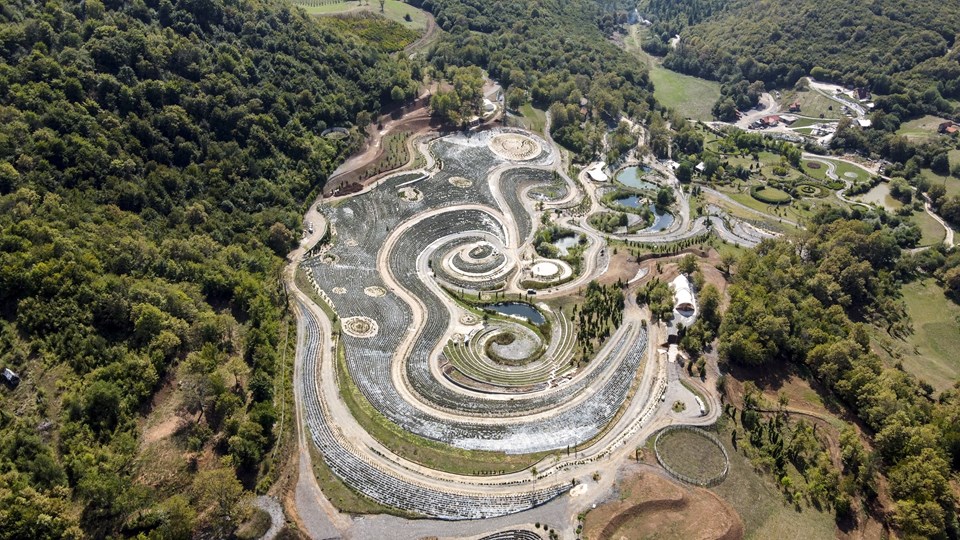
{"points": [[481, 335], [458, 359]]}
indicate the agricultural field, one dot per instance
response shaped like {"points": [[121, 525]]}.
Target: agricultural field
{"points": [[930, 350]]}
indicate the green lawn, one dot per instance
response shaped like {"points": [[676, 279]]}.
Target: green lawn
{"points": [[791, 211], [933, 233], [394, 10], [931, 352], [807, 122], [952, 183], [773, 194], [818, 171], [691, 96], [812, 104], [842, 168], [924, 128], [533, 118]]}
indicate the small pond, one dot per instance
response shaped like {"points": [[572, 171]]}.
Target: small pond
{"points": [[520, 309], [633, 177], [564, 244], [661, 219]]}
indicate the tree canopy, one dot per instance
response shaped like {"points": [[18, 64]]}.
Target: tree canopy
{"points": [[155, 158]]}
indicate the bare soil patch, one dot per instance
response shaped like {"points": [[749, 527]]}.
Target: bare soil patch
{"points": [[623, 266], [651, 506]]}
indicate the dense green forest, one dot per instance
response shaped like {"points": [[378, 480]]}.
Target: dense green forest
{"points": [[808, 302], [155, 157], [542, 51], [892, 47]]}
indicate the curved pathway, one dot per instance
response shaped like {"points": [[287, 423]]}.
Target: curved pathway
{"points": [[349, 448]]}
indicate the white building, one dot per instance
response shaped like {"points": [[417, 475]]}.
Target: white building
{"points": [[682, 294]]}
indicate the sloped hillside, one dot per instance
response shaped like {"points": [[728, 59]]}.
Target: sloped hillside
{"points": [[155, 157]]}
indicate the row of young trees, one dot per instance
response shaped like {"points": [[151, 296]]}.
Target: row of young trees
{"points": [[598, 316]]}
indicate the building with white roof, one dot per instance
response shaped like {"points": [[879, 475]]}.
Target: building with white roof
{"points": [[682, 294]]}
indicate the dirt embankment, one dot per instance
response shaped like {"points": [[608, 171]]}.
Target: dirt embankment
{"points": [[651, 505]]}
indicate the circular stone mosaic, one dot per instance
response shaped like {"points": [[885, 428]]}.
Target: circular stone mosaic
{"points": [[460, 181], [514, 147], [351, 243], [360, 327], [469, 319], [375, 292], [339, 290], [545, 269]]}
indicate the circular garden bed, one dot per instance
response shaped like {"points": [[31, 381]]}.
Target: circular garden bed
{"points": [[809, 190], [692, 455], [770, 195]]}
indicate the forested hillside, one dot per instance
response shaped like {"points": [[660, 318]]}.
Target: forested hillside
{"points": [[155, 157], [890, 46], [810, 304], [551, 52]]}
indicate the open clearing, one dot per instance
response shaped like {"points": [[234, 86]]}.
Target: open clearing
{"points": [[812, 104], [931, 230], [533, 118], [394, 10], [921, 128], [692, 96], [651, 506], [931, 351]]}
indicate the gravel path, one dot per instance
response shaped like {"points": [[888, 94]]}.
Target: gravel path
{"points": [[272, 506]]}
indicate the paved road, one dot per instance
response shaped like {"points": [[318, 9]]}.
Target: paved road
{"points": [[766, 107]]}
